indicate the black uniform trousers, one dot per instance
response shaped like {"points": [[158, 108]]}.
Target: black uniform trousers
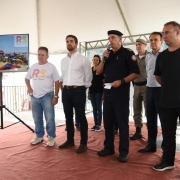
{"points": [[116, 107], [75, 97], [169, 117]]}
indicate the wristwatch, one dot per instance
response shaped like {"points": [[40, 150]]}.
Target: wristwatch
{"points": [[56, 96], [123, 81]]}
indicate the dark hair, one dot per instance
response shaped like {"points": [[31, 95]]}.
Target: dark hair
{"points": [[96, 55], [44, 49], [173, 23], [156, 33], [74, 37]]}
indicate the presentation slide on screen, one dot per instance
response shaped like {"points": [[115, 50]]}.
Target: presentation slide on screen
{"points": [[14, 53]]}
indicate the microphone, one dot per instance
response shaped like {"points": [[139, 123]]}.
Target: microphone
{"points": [[109, 49]]}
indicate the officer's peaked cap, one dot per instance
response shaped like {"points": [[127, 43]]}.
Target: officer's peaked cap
{"points": [[115, 32]]}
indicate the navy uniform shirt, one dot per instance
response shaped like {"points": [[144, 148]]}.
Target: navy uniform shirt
{"points": [[119, 65]]}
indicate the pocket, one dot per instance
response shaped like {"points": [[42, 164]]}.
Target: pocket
{"points": [[51, 94], [120, 62]]}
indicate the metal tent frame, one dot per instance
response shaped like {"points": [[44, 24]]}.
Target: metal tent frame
{"points": [[98, 44]]}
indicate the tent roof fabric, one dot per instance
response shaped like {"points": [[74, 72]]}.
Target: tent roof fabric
{"points": [[48, 22]]}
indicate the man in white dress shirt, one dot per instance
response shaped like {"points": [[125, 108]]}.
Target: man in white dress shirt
{"points": [[76, 77]]}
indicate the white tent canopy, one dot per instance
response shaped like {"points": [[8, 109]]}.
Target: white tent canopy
{"points": [[49, 21]]}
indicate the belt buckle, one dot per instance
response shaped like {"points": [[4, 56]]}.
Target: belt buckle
{"points": [[67, 87], [71, 87]]}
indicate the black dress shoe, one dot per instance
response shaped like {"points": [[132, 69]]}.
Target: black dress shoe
{"points": [[67, 144], [81, 148], [123, 157], [136, 136], [147, 149], [105, 152]]}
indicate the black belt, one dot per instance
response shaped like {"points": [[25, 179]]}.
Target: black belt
{"points": [[72, 87], [140, 83]]}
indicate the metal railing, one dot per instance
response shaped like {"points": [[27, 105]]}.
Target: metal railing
{"points": [[15, 98]]}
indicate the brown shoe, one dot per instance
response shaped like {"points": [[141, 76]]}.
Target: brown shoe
{"points": [[67, 144], [81, 148]]}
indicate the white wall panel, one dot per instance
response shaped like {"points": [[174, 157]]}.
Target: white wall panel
{"points": [[18, 17]]}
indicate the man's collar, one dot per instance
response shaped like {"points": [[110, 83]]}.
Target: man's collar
{"points": [[161, 49], [74, 54], [143, 54], [120, 49]]}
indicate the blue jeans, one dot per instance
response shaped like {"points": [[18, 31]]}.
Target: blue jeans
{"points": [[153, 110], [40, 105], [96, 101]]}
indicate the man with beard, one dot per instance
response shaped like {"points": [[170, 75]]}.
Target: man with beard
{"points": [[167, 73], [76, 77]]}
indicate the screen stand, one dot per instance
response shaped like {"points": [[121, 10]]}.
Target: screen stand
{"points": [[3, 106]]}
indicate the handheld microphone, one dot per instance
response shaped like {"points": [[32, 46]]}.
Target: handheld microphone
{"points": [[108, 48]]}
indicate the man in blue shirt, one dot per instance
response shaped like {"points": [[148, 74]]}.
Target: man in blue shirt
{"points": [[153, 92]]}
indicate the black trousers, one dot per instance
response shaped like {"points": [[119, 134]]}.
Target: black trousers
{"points": [[116, 108], [153, 110], [75, 98], [169, 117]]}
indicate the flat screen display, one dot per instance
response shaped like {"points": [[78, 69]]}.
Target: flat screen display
{"points": [[14, 53]]}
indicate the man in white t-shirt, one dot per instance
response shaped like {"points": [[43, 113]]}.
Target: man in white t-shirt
{"points": [[44, 95]]}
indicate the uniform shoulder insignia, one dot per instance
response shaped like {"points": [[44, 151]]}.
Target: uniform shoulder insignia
{"points": [[133, 57], [129, 49]]}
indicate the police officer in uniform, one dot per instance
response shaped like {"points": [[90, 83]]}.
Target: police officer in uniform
{"points": [[139, 88], [120, 67]]}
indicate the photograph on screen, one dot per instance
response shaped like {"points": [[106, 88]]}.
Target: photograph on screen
{"points": [[14, 53]]}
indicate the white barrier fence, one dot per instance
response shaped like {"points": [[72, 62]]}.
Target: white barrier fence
{"points": [[15, 98]]}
